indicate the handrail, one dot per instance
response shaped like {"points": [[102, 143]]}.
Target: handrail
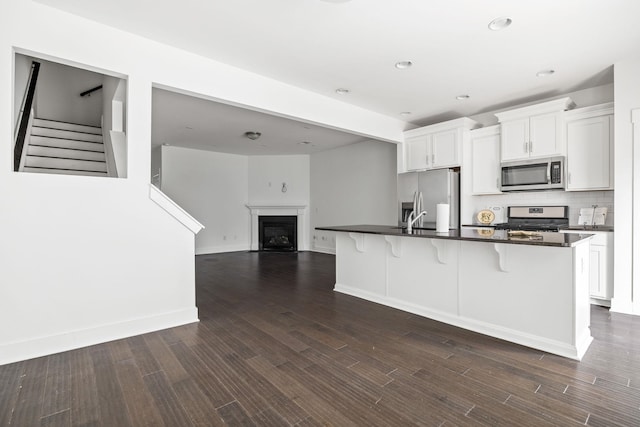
{"points": [[24, 118], [90, 91]]}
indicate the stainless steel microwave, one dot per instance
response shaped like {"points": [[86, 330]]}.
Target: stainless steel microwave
{"points": [[533, 174]]}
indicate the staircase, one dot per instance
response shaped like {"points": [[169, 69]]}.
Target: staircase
{"points": [[65, 148]]}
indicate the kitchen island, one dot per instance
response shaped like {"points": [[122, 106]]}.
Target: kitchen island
{"points": [[531, 291]]}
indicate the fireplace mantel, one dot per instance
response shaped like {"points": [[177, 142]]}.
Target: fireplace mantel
{"points": [[279, 210]]}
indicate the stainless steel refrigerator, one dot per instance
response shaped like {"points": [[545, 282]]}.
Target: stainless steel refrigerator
{"points": [[435, 186]]}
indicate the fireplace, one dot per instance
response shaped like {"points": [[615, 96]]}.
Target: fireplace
{"points": [[278, 233]]}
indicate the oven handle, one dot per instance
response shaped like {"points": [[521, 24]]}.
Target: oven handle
{"points": [[549, 173]]}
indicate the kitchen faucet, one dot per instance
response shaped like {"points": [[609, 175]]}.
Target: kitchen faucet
{"points": [[412, 220]]}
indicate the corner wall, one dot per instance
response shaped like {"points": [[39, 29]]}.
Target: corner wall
{"points": [[212, 187], [626, 294], [352, 185]]}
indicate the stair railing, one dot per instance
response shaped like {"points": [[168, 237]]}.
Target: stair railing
{"points": [[90, 91], [25, 116]]}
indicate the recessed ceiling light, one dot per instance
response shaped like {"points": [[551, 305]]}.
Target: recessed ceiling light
{"points": [[401, 65], [545, 73], [342, 91], [499, 23], [462, 97], [405, 113], [304, 143]]}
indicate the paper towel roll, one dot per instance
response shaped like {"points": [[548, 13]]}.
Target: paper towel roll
{"points": [[442, 217]]}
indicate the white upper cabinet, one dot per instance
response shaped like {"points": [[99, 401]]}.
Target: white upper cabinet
{"points": [[533, 131], [589, 133], [485, 160], [434, 147]]}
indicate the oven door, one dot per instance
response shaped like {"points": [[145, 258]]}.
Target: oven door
{"points": [[537, 174]]}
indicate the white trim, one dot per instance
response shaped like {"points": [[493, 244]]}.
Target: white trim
{"points": [[174, 210], [556, 347], [221, 249], [42, 346], [321, 250], [555, 106]]}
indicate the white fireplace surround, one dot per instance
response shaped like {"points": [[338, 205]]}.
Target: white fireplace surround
{"points": [[299, 211]]}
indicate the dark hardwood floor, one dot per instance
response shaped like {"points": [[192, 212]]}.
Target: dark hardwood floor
{"points": [[276, 346]]}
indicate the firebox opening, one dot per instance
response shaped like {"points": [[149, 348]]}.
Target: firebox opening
{"points": [[278, 233]]}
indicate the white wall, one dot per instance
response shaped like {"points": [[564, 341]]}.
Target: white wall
{"points": [[626, 294], [58, 94], [351, 185], [212, 187], [85, 259], [268, 173]]}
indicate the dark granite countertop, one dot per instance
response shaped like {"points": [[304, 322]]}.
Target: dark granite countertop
{"points": [[588, 228], [477, 234]]}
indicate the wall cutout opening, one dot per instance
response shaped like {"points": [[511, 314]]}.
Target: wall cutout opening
{"points": [[68, 120]]}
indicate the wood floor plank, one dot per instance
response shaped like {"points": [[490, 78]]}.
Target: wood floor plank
{"points": [[276, 345], [113, 409], [57, 388], [168, 406], [85, 405], [29, 402], [10, 380], [141, 408]]}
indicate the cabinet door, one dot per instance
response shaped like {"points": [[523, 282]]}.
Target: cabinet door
{"points": [[445, 149], [417, 152], [543, 135], [589, 154], [515, 139], [598, 272], [485, 165]]}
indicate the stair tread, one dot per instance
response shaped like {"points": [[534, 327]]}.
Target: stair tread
{"points": [[59, 163], [57, 124], [65, 153], [63, 171], [65, 134], [46, 141]]}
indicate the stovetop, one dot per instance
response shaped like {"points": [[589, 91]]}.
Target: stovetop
{"points": [[536, 218], [531, 226]]}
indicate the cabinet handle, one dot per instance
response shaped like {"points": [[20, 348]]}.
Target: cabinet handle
{"points": [[526, 147], [531, 146], [433, 158]]}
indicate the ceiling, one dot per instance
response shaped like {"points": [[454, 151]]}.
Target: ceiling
{"points": [[322, 45]]}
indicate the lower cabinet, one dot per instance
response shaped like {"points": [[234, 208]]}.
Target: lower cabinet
{"points": [[601, 273]]}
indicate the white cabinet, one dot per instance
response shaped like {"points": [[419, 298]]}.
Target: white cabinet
{"points": [[589, 134], [434, 147], [533, 131], [485, 160], [601, 265]]}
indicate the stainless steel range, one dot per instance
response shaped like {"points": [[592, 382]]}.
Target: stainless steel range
{"points": [[536, 218]]}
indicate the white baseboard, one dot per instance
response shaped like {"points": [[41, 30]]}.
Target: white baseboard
{"points": [[541, 343], [221, 249], [327, 251], [43, 346]]}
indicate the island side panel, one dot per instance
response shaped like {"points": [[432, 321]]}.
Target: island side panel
{"points": [[360, 265], [422, 276], [522, 293], [581, 266]]}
